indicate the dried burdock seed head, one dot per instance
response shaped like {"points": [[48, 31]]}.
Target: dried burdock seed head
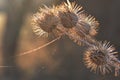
{"points": [[68, 19], [89, 24], [100, 58], [68, 14], [45, 21]]}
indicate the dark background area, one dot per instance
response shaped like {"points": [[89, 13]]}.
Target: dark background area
{"points": [[63, 59]]}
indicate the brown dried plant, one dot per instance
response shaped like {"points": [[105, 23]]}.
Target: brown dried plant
{"points": [[70, 19]]}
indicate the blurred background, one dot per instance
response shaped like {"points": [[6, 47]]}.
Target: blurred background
{"points": [[63, 59]]}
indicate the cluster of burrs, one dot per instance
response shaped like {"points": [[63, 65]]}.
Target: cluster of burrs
{"points": [[70, 19]]}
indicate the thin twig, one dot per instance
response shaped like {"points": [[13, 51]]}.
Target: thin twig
{"points": [[6, 66], [33, 50]]}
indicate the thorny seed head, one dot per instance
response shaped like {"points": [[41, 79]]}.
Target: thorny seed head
{"points": [[44, 21], [47, 21], [68, 15], [68, 19], [89, 23], [100, 58]]}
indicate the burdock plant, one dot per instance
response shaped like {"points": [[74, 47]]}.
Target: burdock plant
{"points": [[70, 19]]}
